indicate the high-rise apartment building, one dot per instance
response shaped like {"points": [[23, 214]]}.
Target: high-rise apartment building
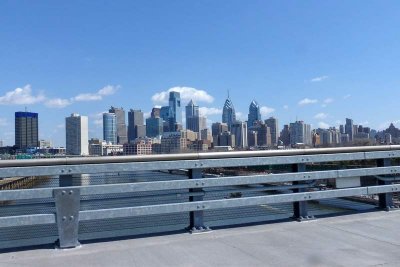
{"points": [[228, 113], [77, 135], [26, 129], [272, 123], [110, 128], [254, 113], [122, 136], [136, 127]]}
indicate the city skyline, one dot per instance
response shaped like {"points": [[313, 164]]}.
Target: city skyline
{"points": [[242, 118], [320, 62]]}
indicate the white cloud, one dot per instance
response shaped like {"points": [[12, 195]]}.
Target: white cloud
{"points": [[319, 79], [265, 111], [24, 96], [285, 107], [307, 101], [146, 115], [321, 116], [105, 91], [57, 103], [204, 111], [323, 125], [21, 96], [328, 100], [347, 96], [187, 93]]}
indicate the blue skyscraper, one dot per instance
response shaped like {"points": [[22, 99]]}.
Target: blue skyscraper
{"points": [[110, 128], [154, 126], [175, 116], [254, 113], [228, 113]]}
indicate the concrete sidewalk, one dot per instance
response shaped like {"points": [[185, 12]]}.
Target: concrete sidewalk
{"points": [[369, 239]]}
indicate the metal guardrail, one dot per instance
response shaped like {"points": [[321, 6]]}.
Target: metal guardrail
{"points": [[67, 198]]}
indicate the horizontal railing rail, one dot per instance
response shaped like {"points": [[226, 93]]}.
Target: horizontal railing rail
{"points": [[302, 183]]}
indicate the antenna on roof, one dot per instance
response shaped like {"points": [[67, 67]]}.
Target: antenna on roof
{"points": [[26, 109], [228, 93]]}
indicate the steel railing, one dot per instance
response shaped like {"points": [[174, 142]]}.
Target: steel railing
{"points": [[67, 197]]}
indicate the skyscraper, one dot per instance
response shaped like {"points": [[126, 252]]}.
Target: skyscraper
{"points": [[122, 136], [228, 113], [349, 129], [254, 113], [136, 127], [192, 117], [239, 129], [26, 129], [272, 123], [110, 128], [175, 116], [77, 135], [300, 132], [154, 125]]}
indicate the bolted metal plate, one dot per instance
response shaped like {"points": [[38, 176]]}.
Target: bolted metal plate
{"points": [[67, 216]]}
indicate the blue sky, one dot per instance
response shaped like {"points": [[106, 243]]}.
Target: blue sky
{"points": [[318, 61]]}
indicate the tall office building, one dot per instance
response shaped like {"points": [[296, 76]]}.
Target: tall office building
{"points": [[349, 129], [285, 135], [254, 113], [154, 125], [239, 129], [77, 135], [122, 136], [218, 128], [228, 113], [175, 116], [300, 132], [263, 135], [192, 117], [110, 128], [272, 123], [26, 129], [136, 127]]}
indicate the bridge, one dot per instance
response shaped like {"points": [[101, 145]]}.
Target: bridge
{"points": [[109, 197]]}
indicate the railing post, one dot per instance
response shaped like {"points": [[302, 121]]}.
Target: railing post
{"points": [[196, 217], [385, 199], [67, 216], [300, 210]]}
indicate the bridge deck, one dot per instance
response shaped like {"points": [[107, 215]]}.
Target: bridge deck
{"points": [[368, 239]]}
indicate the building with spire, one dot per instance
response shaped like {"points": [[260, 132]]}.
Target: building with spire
{"points": [[228, 113]]}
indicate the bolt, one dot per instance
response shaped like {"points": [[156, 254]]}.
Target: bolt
{"points": [[69, 170], [71, 218], [64, 218], [198, 207], [204, 207], [62, 171], [71, 192], [63, 192], [197, 184], [202, 183]]}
